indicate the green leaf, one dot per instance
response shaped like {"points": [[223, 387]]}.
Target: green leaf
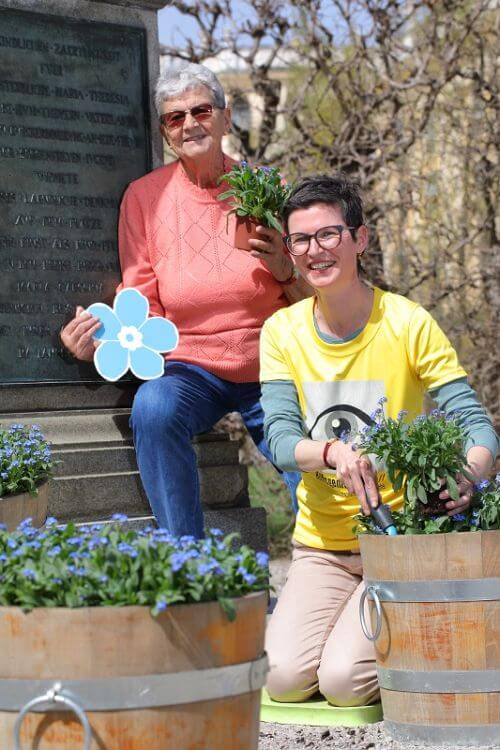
{"points": [[452, 487], [272, 221], [226, 194], [229, 607], [398, 481], [421, 494]]}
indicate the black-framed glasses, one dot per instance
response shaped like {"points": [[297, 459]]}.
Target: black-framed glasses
{"points": [[201, 113], [327, 237]]}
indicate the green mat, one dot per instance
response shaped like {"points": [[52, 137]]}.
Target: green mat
{"points": [[317, 712]]}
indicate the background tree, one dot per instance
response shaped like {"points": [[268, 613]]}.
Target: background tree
{"points": [[403, 96]]}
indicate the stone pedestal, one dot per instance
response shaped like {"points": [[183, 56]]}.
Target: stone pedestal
{"points": [[78, 125]]}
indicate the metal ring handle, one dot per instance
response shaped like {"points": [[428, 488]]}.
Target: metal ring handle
{"points": [[53, 696], [378, 609]]}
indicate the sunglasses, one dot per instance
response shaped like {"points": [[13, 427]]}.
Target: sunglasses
{"points": [[200, 113]]}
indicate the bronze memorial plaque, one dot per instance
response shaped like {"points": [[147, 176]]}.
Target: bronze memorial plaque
{"points": [[74, 131]]}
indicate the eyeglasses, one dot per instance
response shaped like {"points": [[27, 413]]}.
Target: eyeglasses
{"points": [[327, 237], [201, 113]]}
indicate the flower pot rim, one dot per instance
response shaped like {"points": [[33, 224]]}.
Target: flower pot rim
{"points": [[26, 492], [128, 607], [426, 536]]}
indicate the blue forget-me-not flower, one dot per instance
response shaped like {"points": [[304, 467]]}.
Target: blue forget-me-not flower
{"points": [[131, 340]]}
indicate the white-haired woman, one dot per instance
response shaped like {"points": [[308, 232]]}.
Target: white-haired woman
{"points": [[175, 248]]}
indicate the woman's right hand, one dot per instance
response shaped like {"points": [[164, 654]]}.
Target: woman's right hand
{"points": [[77, 335], [356, 472]]}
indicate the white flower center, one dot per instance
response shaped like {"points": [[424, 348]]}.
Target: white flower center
{"points": [[130, 338]]}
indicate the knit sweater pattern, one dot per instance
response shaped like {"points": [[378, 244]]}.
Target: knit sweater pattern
{"points": [[177, 248]]}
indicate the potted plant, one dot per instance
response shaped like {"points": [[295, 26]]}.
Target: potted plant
{"points": [[25, 467], [434, 593], [258, 195], [150, 641], [419, 456]]}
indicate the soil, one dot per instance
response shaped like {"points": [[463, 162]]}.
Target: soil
{"points": [[434, 506], [370, 737]]}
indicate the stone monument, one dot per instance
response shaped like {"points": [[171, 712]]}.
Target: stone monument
{"points": [[76, 126]]}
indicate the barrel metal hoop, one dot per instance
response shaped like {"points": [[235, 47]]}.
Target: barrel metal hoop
{"points": [[136, 692], [460, 590], [449, 735], [446, 681]]}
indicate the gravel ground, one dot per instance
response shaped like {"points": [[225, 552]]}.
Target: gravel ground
{"points": [[370, 737]]}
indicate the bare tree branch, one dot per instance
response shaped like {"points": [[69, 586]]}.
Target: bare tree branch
{"points": [[403, 96]]}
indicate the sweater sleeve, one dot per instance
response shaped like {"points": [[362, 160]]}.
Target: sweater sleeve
{"points": [[283, 423], [135, 262], [458, 398]]}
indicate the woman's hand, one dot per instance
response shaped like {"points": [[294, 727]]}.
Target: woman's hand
{"points": [[77, 335], [270, 250], [465, 492], [480, 463], [356, 472]]}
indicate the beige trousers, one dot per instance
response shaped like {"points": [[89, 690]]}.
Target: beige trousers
{"points": [[314, 639]]}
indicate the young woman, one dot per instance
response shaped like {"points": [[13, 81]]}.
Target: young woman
{"points": [[326, 363]]}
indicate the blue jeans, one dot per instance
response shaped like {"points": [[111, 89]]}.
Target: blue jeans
{"points": [[166, 414]]}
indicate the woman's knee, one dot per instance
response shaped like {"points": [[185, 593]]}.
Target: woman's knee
{"points": [[153, 407], [346, 683], [288, 683]]}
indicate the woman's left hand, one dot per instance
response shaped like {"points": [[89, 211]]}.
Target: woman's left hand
{"points": [[479, 463], [270, 250], [465, 492]]}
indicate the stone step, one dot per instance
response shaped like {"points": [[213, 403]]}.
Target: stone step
{"points": [[96, 498], [249, 523], [95, 460]]}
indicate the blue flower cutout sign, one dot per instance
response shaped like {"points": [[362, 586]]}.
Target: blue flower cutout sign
{"points": [[131, 340]]}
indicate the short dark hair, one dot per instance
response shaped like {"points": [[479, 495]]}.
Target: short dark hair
{"points": [[337, 190]]}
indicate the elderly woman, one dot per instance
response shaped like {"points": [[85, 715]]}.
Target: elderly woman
{"points": [[176, 249], [325, 364]]}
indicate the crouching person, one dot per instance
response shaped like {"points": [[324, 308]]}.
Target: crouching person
{"points": [[326, 364]]}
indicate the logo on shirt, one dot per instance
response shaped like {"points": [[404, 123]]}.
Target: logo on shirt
{"points": [[340, 408]]}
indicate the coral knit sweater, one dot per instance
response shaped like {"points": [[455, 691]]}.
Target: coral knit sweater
{"points": [[175, 249]]}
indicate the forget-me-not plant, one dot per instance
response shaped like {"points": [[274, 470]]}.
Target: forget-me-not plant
{"points": [[131, 340], [112, 565]]}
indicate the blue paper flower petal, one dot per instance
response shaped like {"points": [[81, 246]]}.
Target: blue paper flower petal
{"points": [[110, 325], [131, 307], [160, 335], [146, 364], [111, 360]]}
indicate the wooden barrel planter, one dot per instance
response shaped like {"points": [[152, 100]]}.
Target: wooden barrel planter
{"points": [[435, 621], [110, 678], [15, 508]]}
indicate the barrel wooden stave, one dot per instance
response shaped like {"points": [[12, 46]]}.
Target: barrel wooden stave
{"points": [[227, 724], [437, 636], [475, 629], [15, 508], [436, 709], [106, 642], [431, 557], [183, 637]]}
